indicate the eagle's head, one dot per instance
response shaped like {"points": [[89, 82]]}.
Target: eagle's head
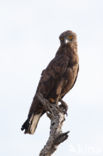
{"points": [[67, 38]]}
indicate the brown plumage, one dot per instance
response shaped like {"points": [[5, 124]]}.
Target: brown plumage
{"points": [[56, 80]]}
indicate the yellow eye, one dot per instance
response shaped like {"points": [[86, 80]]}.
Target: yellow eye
{"points": [[62, 38], [70, 37]]}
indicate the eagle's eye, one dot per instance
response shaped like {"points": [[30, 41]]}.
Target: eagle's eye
{"points": [[62, 38], [70, 37]]}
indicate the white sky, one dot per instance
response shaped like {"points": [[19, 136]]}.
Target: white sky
{"points": [[29, 33]]}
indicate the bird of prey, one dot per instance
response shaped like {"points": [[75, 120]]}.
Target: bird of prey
{"points": [[56, 80]]}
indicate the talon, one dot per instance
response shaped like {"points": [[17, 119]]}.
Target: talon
{"points": [[64, 106], [49, 115]]}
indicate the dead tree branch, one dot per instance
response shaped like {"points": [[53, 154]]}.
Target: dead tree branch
{"points": [[56, 113]]}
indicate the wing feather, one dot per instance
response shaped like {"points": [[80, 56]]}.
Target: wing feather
{"points": [[52, 74]]}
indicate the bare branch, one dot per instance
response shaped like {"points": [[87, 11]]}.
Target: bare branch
{"points": [[56, 114]]}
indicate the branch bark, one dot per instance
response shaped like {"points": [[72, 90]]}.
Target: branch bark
{"points": [[56, 113]]}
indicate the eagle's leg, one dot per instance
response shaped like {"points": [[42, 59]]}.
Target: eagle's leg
{"points": [[55, 102], [64, 106], [51, 100]]}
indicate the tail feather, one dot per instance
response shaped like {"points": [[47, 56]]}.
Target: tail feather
{"points": [[31, 123]]}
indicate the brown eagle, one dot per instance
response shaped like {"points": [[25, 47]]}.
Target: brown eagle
{"points": [[56, 80]]}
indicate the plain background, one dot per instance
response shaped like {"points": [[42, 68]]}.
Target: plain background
{"points": [[29, 31]]}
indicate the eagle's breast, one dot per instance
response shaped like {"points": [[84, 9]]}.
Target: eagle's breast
{"points": [[70, 75]]}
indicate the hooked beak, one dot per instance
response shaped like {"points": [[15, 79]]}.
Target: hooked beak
{"points": [[66, 41]]}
